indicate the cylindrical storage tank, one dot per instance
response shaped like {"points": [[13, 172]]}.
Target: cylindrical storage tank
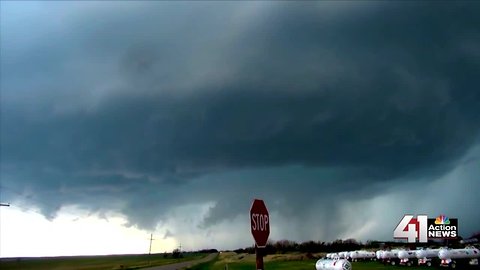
{"points": [[392, 254], [353, 255], [427, 253], [362, 255], [464, 253], [379, 254], [329, 264], [387, 254], [407, 254], [370, 255]]}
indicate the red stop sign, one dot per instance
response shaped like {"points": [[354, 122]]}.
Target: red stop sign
{"points": [[259, 222]]}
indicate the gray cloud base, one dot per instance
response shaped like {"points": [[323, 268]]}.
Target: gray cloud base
{"points": [[124, 108]]}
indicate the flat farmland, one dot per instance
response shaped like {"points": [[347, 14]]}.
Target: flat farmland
{"points": [[110, 262]]}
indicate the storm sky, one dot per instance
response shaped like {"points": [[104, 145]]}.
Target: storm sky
{"points": [[343, 116]]}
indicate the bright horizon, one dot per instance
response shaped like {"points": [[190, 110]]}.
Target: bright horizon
{"points": [[73, 234]]}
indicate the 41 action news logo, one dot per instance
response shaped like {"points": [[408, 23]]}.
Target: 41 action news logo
{"points": [[423, 228]]}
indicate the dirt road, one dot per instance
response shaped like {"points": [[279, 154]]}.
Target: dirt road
{"points": [[183, 265]]}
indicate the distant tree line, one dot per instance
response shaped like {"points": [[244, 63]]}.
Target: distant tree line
{"points": [[207, 251], [287, 246]]}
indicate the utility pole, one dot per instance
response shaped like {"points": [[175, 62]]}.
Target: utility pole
{"points": [[150, 248]]}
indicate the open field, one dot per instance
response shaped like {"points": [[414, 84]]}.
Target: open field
{"points": [[247, 261], [283, 262], [225, 260], [94, 262]]}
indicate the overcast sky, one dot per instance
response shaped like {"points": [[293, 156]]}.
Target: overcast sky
{"points": [[170, 118]]}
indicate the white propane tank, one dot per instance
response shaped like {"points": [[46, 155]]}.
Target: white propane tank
{"points": [[392, 254], [427, 253], [361, 255], [463, 253], [425, 256], [407, 254], [329, 264], [379, 254], [369, 255], [353, 255]]}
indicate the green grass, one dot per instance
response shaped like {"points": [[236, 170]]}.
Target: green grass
{"points": [[247, 261], [93, 262]]}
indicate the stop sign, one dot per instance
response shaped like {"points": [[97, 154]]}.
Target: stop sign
{"points": [[259, 222]]}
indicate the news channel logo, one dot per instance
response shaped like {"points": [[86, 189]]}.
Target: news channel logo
{"points": [[422, 228]]}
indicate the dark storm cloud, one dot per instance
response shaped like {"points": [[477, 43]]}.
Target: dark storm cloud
{"points": [[225, 102]]}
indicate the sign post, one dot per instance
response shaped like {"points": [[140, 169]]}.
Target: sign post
{"points": [[260, 228]]}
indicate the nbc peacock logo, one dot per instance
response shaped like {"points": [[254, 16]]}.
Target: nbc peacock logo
{"points": [[442, 220], [442, 227]]}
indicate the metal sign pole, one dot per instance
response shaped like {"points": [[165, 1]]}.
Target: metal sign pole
{"points": [[259, 258]]}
